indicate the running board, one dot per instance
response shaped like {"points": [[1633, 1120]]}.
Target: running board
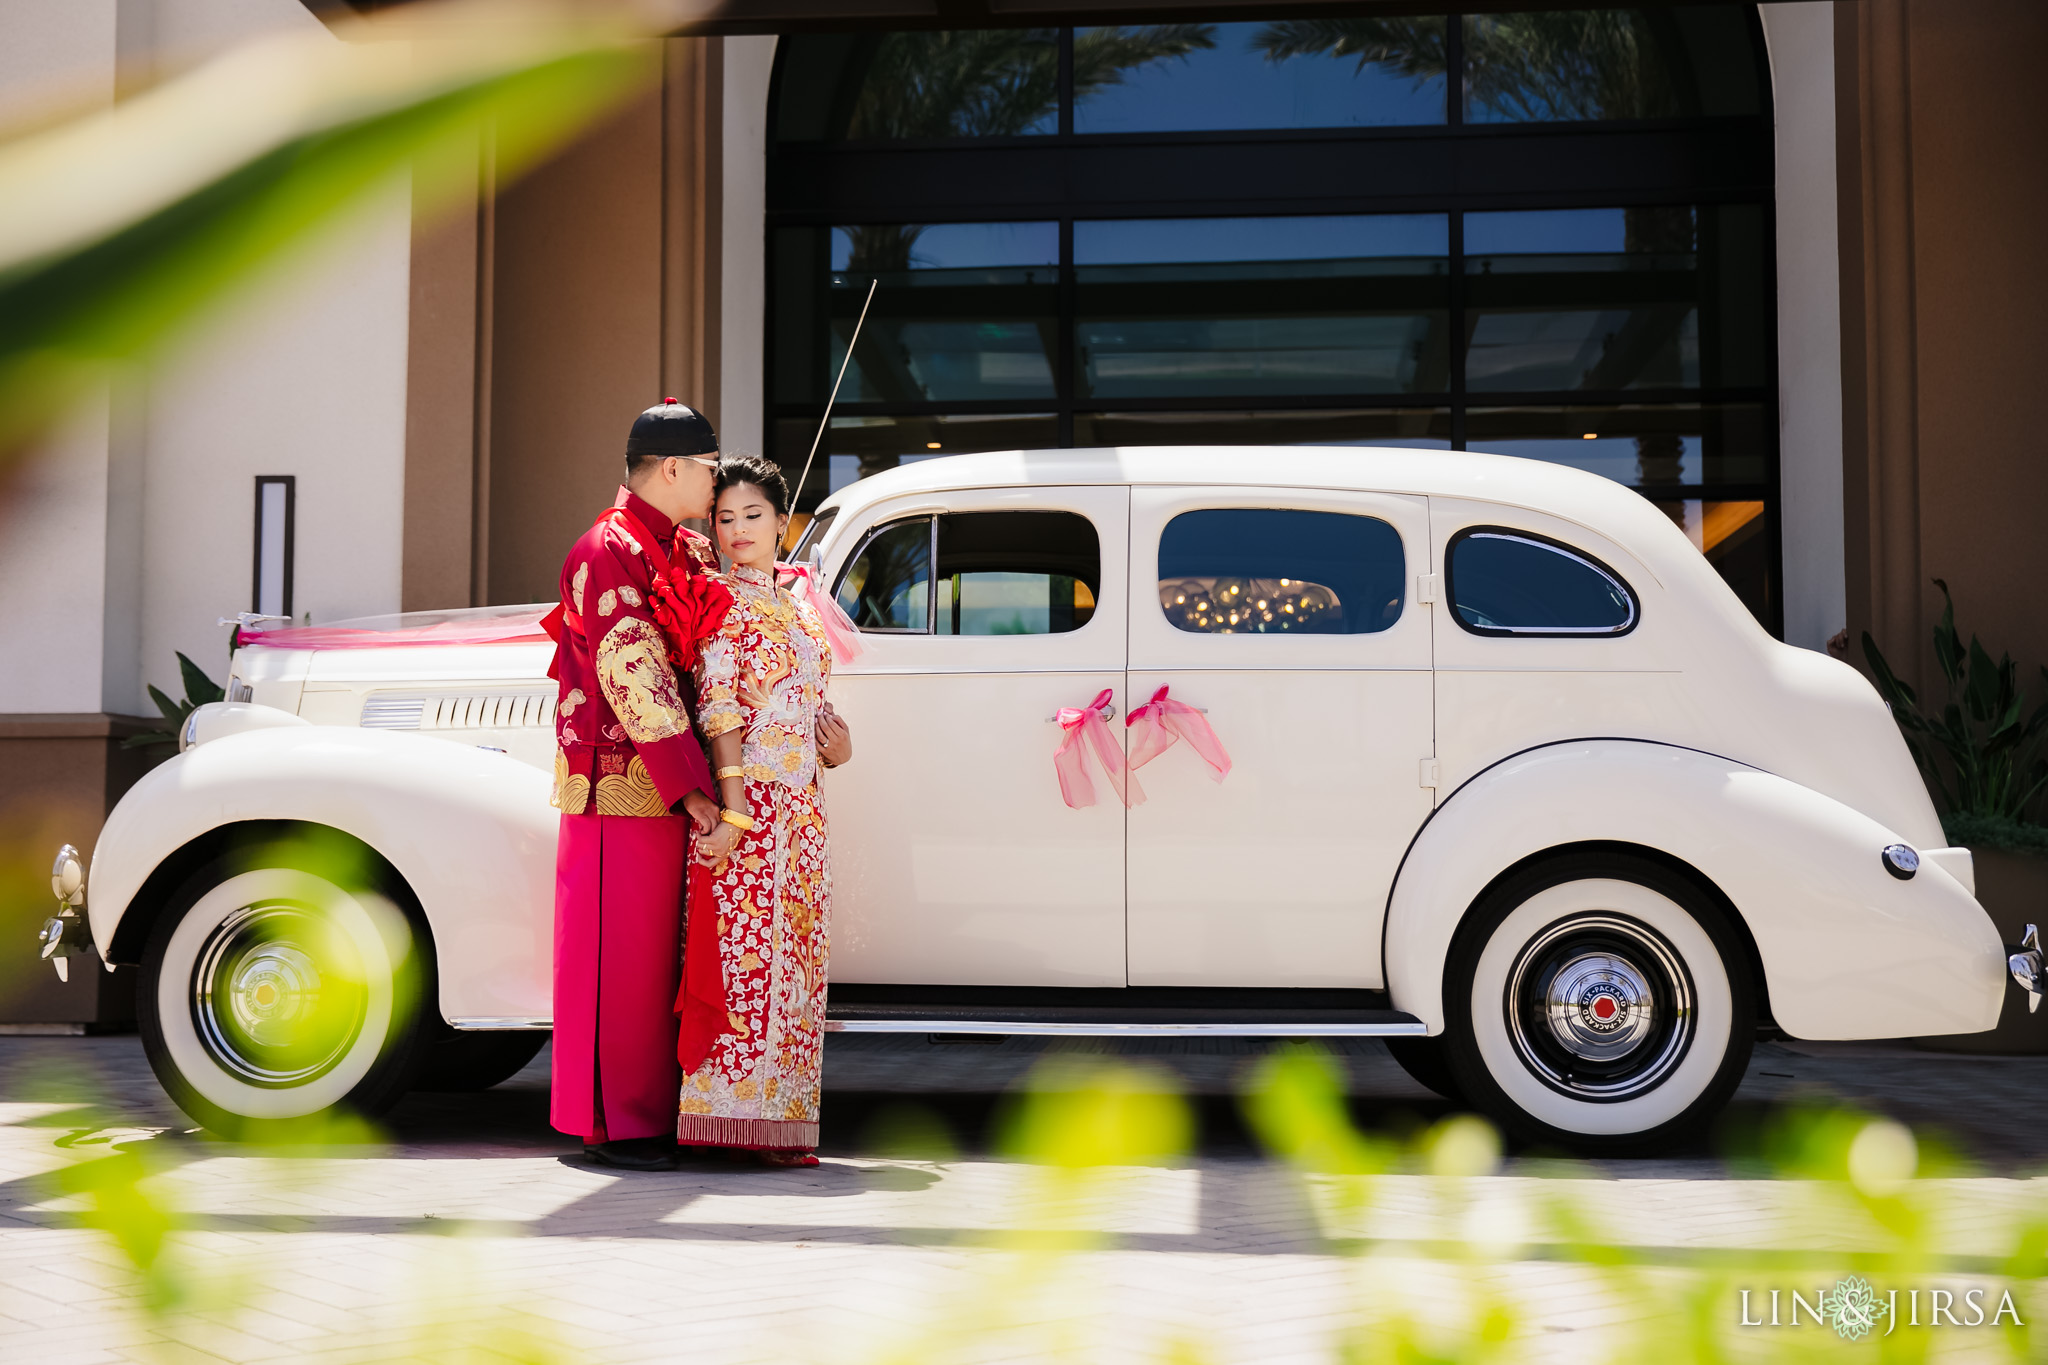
{"points": [[1123, 1014]]}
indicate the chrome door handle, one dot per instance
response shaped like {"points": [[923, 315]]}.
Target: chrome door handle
{"points": [[1108, 713]]}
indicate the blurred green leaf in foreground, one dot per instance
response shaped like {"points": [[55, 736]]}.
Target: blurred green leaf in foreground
{"points": [[125, 225]]}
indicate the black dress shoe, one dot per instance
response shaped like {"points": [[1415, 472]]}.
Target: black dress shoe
{"points": [[634, 1154]]}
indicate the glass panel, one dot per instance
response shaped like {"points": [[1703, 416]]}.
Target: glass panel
{"points": [[1508, 584], [1621, 298], [1205, 306], [888, 586], [1558, 65], [1423, 428], [1262, 571], [810, 532], [957, 83], [1298, 73], [1640, 446], [1735, 538], [855, 447], [964, 311], [1016, 573]]}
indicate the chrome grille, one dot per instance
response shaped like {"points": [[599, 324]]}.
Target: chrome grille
{"points": [[393, 713], [459, 711]]}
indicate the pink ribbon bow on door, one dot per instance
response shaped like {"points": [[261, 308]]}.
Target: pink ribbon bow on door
{"points": [[1086, 729], [840, 631], [1161, 721]]}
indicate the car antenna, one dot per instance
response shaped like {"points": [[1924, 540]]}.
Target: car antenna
{"points": [[798, 492]]}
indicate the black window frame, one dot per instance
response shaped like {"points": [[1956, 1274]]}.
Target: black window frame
{"points": [[931, 587], [1407, 586], [876, 532], [1454, 168], [1635, 601]]}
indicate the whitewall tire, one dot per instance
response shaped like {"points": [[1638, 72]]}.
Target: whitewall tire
{"points": [[273, 994], [1600, 1002]]}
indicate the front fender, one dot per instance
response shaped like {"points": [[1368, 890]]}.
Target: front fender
{"points": [[1848, 950], [470, 831]]}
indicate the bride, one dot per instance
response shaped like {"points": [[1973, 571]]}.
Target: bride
{"points": [[753, 995]]}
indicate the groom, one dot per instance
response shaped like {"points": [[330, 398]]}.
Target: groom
{"points": [[639, 593]]}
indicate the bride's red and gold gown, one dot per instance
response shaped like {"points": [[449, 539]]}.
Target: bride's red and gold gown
{"points": [[752, 1077]]}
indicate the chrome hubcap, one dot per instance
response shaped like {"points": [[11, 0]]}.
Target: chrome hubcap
{"points": [[1600, 1007], [278, 996]]}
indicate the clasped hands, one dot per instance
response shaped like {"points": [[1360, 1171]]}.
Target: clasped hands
{"points": [[717, 838]]}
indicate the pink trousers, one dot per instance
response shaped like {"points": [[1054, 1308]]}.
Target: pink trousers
{"points": [[618, 960]]}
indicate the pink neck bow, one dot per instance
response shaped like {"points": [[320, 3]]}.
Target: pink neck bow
{"points": [[1070, 760], [840, 631], [1160, 722]]}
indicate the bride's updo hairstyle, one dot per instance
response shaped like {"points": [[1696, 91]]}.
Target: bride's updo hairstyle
{"points": [[757, 470]]}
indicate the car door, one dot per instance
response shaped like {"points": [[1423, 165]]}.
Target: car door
{"points": [[1288, 617], [955, 860]]}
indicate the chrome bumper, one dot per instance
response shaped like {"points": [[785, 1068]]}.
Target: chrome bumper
{"points": [[2028, 969]]}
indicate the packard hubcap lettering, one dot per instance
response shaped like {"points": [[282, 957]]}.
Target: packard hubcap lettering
{"points": [[1600, 1007]]}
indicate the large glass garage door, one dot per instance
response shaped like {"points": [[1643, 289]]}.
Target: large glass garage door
{"points": [[1293, 231]]}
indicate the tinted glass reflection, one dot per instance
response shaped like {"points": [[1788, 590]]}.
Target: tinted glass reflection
{"points": [[957, 83], [1735, 538], [1016, 573], [1505, 583], [888, 585], [1271, 571], [1582, 299], [1568, 65], [1285, 74], [1424, 428], [1644, 447], [1206, 306], [1620, 298], [856, 446], [963, 311]]}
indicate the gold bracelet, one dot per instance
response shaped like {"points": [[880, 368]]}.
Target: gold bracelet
{"points": [[736, 820], [724, 773]]}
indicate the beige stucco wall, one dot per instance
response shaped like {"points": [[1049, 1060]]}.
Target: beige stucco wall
{"points": [[743, 319], [1801, 39], [132, 534]]}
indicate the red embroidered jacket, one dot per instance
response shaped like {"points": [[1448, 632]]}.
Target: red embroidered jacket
{"points": [[625, 742]]}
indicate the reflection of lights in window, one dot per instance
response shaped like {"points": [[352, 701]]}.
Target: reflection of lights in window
{"points": [[931, 445], [1227, 605]]}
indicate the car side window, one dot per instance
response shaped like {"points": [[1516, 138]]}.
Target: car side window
{"points": [[1270, 570], [997, 573], [1016, 573], [1507, 582], [888, 585]]}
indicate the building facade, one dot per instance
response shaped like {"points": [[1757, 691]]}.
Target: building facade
{"points": [[1771, 264]]}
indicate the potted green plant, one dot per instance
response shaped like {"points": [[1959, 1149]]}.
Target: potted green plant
{"points": [[1982, 755]]}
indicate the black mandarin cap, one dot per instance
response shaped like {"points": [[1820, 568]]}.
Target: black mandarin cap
{"points": [[671, 428]]}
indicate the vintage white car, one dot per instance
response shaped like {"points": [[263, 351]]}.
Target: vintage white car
{"points": [[1516, 784]]}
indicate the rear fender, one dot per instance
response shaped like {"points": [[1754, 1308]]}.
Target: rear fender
{"points": [[469, 831], [1847, 949]]}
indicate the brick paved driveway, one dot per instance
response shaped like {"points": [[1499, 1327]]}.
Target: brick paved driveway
{"points": [[469, 1236]]}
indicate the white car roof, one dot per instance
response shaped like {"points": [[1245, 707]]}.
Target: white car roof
{"points": [[1539, 485]]}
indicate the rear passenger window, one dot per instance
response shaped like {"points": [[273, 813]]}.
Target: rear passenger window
{"points": [[1504, 582], [997, 573], [1265, 571]]}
